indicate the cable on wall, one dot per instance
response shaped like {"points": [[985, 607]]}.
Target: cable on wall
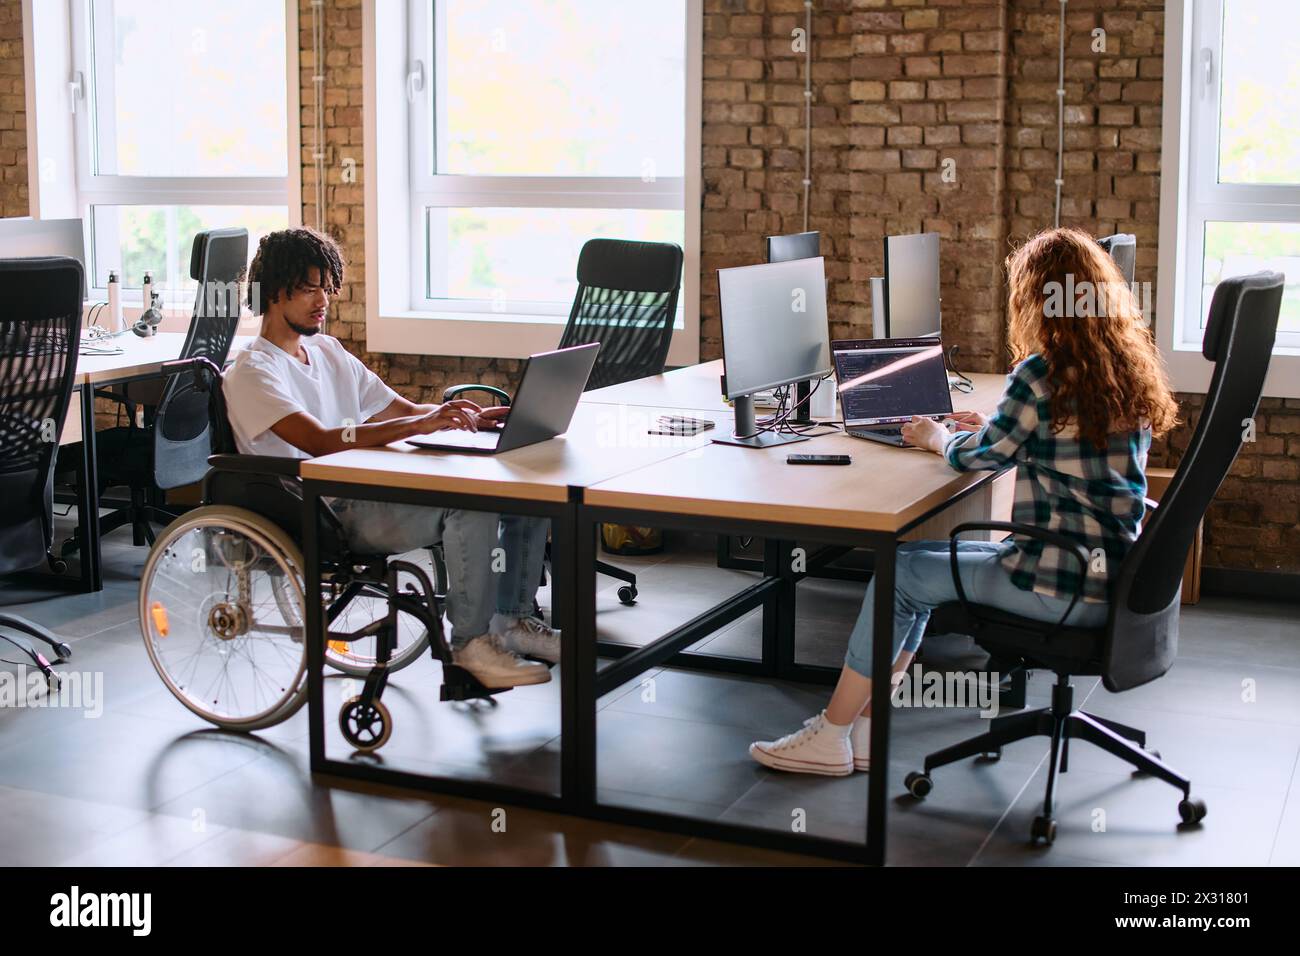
{"points": [[807, 110], [318, 80], [1060, 119]]}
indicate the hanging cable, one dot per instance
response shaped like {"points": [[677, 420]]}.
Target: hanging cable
{"points": [[807, 110], [318, 80], [1060, 119]]}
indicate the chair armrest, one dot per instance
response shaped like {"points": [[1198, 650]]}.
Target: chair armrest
{"points": [[456, 391], [257, 464], [1066, 544]]}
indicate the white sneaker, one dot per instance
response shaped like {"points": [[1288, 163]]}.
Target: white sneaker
{"points": [[860, 740], [527, 636], [820, 747], [495, 666]]}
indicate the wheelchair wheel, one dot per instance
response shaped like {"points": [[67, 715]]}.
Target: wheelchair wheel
{"points": [[222, 612], [356, 658]]}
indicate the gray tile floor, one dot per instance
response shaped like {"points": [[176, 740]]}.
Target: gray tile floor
{"points": [[147, 783]]}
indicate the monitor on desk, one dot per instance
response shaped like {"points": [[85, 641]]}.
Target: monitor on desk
{"points": [[911, 288], [800, 245], [25, 237], [774, 333]]}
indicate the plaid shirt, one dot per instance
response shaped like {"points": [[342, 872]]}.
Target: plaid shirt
{"points": [[1062, 485]]}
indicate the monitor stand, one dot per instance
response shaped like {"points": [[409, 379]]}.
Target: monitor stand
{"points": [[745, 426]]}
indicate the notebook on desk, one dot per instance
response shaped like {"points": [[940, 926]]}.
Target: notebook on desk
{"points": [[543, 407], [883, 383]]}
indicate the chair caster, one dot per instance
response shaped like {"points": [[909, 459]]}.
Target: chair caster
{"points": [[63, 650], [1192, 810], [56, 563], [1044, 829], [918, 784], [366, 727], [69, 547], [627, 594]]}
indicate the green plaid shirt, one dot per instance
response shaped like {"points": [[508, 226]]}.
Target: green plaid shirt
{"points": [[1062, 485]]}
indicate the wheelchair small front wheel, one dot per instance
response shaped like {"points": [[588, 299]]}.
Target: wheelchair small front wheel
{"points": [[222, 615], [366, 727]]}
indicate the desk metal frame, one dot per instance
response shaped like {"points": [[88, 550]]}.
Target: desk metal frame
{"points": [[574, 532]]}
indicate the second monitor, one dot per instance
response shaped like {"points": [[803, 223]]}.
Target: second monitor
{"points": [[774, 333], [911, 293]]}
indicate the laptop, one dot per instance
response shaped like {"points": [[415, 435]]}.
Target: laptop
{"points": [[883, 383], [543, 407]]}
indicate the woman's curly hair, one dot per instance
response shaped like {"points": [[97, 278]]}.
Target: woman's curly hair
{"points": [[283, 260], [1105, 371]]}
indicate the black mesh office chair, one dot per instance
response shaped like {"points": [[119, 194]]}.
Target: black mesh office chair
{"points": [[39, 340], [1123, 249], [1140, 640], [151, 460], [626, 301]]}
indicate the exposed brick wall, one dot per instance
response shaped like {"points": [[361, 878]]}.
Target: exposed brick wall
{"points": [[13, 112], [900, 87]]}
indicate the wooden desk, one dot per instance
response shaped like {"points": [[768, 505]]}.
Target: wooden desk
{"points": [[606, 468]]}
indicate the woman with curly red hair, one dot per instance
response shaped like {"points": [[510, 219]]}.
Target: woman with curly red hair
{"points": [[1086, 395]]}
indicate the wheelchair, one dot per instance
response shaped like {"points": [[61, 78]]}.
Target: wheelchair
{"points": [[222, 601]]}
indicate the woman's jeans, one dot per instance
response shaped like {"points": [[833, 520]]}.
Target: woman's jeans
{"points": [[494, 562], [923, 581]]}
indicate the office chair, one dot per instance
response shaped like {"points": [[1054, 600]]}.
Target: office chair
{"points": [[1123, 249], [147, 460], [40, 328], [1140, 639], [626, 301]]}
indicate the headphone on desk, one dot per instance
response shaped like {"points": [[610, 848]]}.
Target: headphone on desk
{"points": [[150, 319]]}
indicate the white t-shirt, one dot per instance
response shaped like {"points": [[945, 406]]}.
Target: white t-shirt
{"points": [[266, 384]]}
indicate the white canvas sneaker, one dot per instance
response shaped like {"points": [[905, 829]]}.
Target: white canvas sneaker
{"points": [[860, 740], [495, 666], [819, 747], [527, 637]]}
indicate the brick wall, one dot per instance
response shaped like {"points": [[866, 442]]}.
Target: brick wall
{"points": [[13, 112], [901, 87]]}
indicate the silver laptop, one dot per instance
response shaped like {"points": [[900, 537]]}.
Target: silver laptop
{"points": [[543, 407], [883, 383]]}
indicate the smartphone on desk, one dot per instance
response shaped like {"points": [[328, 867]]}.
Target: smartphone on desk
{"points": [[817, 459]]}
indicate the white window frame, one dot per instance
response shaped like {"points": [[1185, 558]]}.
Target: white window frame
{"points": [[96, 189], [1190, 195], [399, 186]]}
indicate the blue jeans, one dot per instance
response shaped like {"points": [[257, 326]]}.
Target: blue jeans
{"points": [[923, 581], [482, 578]]}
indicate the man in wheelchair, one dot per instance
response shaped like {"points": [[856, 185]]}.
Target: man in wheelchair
{"points": [[294, 392]]}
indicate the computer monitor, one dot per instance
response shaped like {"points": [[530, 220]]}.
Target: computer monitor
{"points": [[911, 297], [774, 333], [26, 237], [800, 245], [1123, 249]]}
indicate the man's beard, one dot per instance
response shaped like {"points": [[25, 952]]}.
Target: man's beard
{"points": [[303, 329]]}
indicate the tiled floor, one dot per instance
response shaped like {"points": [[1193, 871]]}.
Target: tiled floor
{"points": [[146, 783]]}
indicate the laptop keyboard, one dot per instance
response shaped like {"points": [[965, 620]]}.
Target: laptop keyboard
{"points": [[867, 433]]}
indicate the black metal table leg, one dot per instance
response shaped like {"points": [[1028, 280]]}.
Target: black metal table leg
{"points": [[92, 572], [881, 708], [315, 627], [573, 601]]}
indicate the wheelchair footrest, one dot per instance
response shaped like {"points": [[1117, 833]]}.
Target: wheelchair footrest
{"points": [[460, 684]]}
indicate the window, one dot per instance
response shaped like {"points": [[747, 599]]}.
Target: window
{"points": [[526, 129], [181, 124], [1238, 69]]}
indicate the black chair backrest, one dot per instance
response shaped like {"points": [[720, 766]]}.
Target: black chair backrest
{"points": [[181, 438], [1123, 249], [1142, 638], [40, 335], [626, 301], [799, 245], [218, 260]]}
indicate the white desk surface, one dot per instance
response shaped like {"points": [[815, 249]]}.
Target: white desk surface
{"points": [[139, 356], [697, 387], [884, 488], [602, 441]]}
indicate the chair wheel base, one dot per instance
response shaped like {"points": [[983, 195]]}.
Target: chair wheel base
{"points": [[1192, 810], [627, 595], [1043, 830], [918, 784]]}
